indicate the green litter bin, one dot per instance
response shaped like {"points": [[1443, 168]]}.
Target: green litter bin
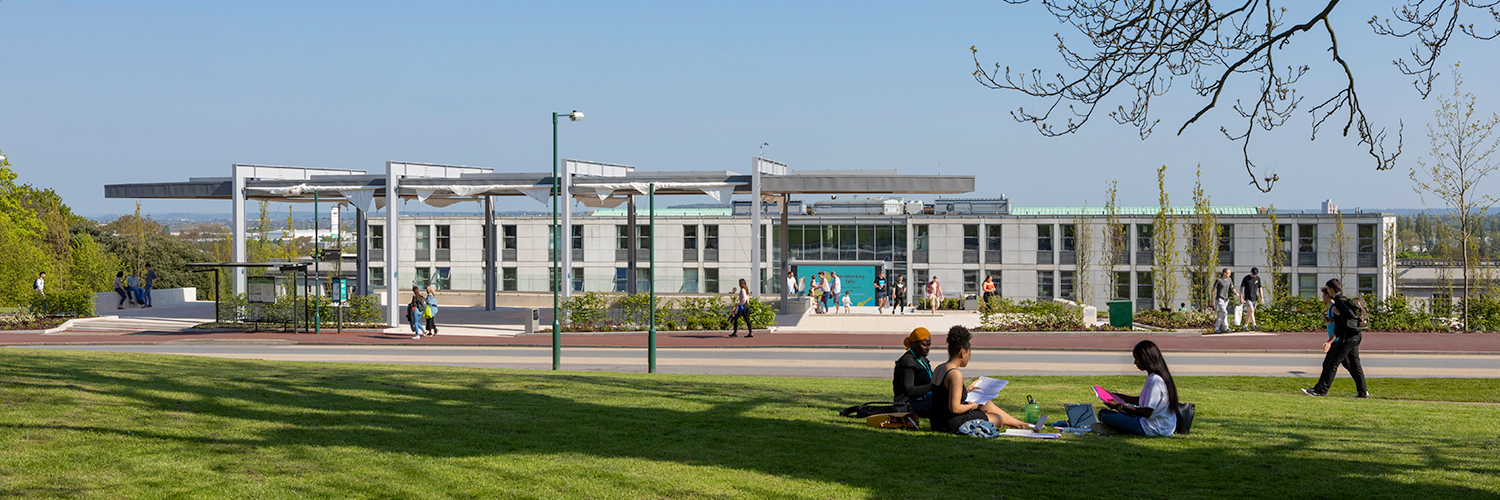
{"points": [[1121, 313]]}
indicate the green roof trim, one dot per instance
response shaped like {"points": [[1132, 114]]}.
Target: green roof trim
{"points": [[1228, 210], [666, 212]]}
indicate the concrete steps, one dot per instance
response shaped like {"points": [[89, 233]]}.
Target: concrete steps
{"points": [[116, 324]]}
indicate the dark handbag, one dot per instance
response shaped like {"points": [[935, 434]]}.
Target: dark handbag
{"points": [[1185, 413], [875, 408]]}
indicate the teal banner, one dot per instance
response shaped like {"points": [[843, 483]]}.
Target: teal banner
{"points": [[859, 281]]}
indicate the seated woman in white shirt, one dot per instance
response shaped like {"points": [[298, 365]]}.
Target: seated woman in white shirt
{"points": [[1154, 412]]}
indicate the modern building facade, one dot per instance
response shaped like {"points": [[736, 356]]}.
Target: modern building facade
{"points": [[1031, 253]]}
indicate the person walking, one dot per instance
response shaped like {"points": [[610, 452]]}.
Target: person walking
{"points": [[414, 311], [150, 281], [1250, 293], [40, 286], [844, 302], [880, 292], [1342, 347], [989, 291], [836, 286], [1223, 290], [741, 310], [432, 310], [120, 289], [934, 293], [898, 291]]}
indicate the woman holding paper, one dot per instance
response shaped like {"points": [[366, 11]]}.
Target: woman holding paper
{"points": [[949, 409], [1154, 412]]}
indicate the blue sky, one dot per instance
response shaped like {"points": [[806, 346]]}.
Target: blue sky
{"points": [[93, 93]]}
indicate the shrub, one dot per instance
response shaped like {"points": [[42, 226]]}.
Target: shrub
{"points": [[1003, 314], [1175, 320], [75, 303]]}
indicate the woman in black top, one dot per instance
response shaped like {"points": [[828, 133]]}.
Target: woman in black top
{"points": [[949, 411], [913, 379]]}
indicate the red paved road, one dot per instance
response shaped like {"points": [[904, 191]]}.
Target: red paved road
{"points": [[1298, 342]]}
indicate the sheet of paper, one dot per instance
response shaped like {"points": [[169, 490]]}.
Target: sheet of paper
{"points": [[985, 389]]}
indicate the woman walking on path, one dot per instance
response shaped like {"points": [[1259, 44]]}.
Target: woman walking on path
{"points": [[432, 308], [1342, 347], [934, 293], [899, 294], [989, 291], [880, 292], [741, 310], [414, 311]]}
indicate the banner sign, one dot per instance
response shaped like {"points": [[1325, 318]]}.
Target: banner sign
{"points": [[859, 281]]}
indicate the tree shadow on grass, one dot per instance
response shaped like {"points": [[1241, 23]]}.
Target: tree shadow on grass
{"points": [[740, 424]]}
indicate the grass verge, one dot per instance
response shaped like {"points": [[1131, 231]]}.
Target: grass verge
{"points": [[110, 425]]}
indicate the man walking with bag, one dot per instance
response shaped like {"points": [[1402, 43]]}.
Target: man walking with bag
{"points": [[1223, 289], [1250, 292]]}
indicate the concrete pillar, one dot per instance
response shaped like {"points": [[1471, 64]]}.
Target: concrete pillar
{"points": [[630, 245], [361, 252], [392, 246], [489, 253], [755, 232], [785, 245], [238, 214], [565, 209]]}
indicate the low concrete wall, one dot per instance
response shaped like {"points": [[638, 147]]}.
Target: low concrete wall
{"points": [[106, 301], [513, 299]]}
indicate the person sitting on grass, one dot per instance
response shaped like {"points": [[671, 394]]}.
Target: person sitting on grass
{"points": [[913, 379], [949, 411], [1154, 412]]}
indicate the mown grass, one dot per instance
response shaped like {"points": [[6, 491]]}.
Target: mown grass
{"points": [[109, 425]]}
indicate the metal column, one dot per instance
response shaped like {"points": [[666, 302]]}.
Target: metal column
{"points": [[755, 232], [782, 234], [489, 253], [361, 253]]}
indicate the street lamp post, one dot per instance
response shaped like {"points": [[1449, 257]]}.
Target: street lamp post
{"points": [[557, 245]]}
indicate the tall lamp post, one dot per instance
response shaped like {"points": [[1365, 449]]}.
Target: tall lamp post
{"points": [[557, 245]]}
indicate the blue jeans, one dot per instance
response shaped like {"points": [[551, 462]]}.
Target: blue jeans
{"points": [[1121, 421], [146, 293]]}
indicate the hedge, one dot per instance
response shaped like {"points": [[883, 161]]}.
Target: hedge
{"points": [[74, 303], [605, 312]]}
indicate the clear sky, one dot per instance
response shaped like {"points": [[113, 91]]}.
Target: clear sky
{"points": [[93, 93]]}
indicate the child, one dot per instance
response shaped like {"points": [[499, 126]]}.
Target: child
{"points": [[844, 301]]}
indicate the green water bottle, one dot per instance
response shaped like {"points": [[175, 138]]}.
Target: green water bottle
{"points": [[1033, 411]]}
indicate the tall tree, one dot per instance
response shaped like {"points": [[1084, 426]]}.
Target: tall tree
{"points": [[1460, 159], [1339, 244], [1275, 254], [1083, 242], [1138, 48], [1164, 248], [1203, 245], [1116, 239]]}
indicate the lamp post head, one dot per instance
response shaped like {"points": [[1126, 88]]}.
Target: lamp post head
{"points": [[575, 115]]}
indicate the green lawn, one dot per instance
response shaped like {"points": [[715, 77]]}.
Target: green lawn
{"points": [[100, 425]]}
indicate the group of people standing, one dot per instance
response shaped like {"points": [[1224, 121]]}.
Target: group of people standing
{"points": [[939, 393], [423, 308], [135, 289], [827, 289]]}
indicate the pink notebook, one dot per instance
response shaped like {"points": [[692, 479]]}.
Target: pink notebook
{"points": [[1104, 395]]}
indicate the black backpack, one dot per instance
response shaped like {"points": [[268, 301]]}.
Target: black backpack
{"points": [[875, 408]]}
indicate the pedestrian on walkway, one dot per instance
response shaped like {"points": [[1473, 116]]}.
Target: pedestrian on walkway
{"points": [[880, 292], [1342, 347], [414, 312], [120, 289], [1250, 292], [149, 282], [899, 293], [41, 293], [741, 310], [791, 284], [836, 285], [820, 289], [432, 310], [934, 293], [989, 291], [845, 303], [1223, 290]]}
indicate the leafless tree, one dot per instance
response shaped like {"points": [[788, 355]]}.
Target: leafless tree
{"points": [[1140, 46]]}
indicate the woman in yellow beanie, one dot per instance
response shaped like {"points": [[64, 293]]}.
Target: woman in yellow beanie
{"points": [[913, 379]]}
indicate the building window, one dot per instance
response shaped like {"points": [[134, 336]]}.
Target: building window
{"points": [[377, 237], [508, 279], [710, 237], [921, 243], [971, 243], [918, 286], [443, 279], [1143, 238], [711, 280], [577, 279], [377, 276], [847, 243], [1307, 285], [508, 237], [898, 241], [1226, 238], [577, 238], [1366, 285], [622, 237], [422, 278], [690, 237], [622, 279], [1068, 237], [1145, 285], [444, 242], [424, 242], [642, 279], [1122, 285], [971, 281], [1044, 284], [1307, 245], [643, 237], [1065, 285], [689, 280], [1366, 246], [1044, 237], [992, 244]]}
